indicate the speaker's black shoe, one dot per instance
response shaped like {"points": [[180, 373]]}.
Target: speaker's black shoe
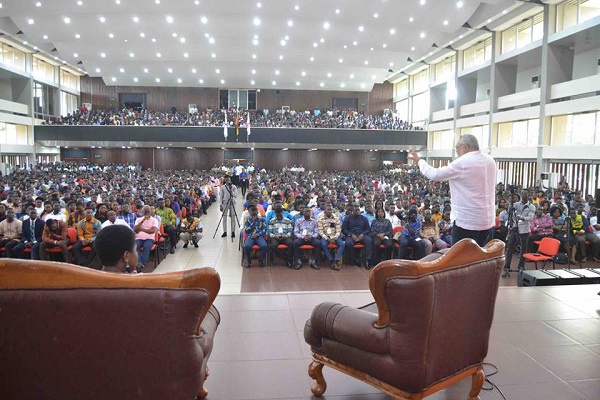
{"points": [[224, 234]]}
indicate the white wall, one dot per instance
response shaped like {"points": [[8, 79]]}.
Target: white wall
{"points": [[585, 63], [483, 85], [524, 78]]}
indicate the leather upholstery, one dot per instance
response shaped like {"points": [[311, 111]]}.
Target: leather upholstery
{"points": [[84, 342], [439, 321]]}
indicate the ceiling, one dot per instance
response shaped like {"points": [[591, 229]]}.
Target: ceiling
{"points": [[346, 45]]}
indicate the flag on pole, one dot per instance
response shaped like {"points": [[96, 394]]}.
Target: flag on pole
{"points": [[237, 124], [248, 128], [225, 125]]}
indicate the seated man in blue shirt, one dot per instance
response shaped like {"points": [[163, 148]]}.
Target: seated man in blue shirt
{"points": [[255, 229], [411, 236], [356, 228], [306, 231]]}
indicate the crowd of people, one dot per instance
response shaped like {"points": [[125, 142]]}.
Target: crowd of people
{"points": [[329, 118], [394, 212]]}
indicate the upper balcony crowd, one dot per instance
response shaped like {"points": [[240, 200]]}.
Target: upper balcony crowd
{"points": [[329, 118]]}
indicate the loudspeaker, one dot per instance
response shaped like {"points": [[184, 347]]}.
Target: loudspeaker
{"points": [[598, 198], [558, 277]]}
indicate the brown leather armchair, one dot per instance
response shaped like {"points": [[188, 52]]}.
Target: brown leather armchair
{"points": [[75, 333], [428, 328]]}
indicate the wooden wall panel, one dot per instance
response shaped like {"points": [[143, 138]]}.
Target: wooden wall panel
{"points": [[161, 159], [93, 90], [321, 160]]}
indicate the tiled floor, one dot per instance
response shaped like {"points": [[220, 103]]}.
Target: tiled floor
{"points": [[545, 340]]}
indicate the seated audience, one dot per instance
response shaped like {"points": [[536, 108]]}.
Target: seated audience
{"points": [[306, 232], [55, 234], [190, 229], [255, 229], [330, 231], [280, 231], [145, 228], [357, 230], [32, 230]]}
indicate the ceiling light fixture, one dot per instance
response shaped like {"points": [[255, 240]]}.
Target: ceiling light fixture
{"points": [[194, 70], [185, 55], [169, 19], [77, 36], [203, 19], [392, 31], [411, 19], [361, 28], [179, 80], [103, 55], [256, 21], [45, 37], [290, 23], [136, 19], [200, 80], [131, 55], [30, 21], [459, 4], [142, 35], [157, 80], [158, 55], [122, 70], [326, 25], [146, 70], [113, 79], [67, 20], [102, 19], [135, 79]]}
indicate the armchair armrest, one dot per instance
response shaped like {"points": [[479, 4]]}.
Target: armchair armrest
{"points": [[462, 253], [347, 325]]}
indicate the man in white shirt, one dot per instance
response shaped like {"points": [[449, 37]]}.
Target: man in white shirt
{"points": [[113, 220], [56, 213], [472, 179]]}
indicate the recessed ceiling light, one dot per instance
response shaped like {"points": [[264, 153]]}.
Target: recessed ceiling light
{"points": [[135, 79], [113, 79], [392, 31], [218, 71], [179, 80], [157, 80], [253, 72], [303, 73], [312, 59], [252, 82], [186, 55], [422, 2], [182, 39], [445, 22], [254, 56], [146, 70], [375, 15], [102, 19], [296, 7], [276, 72], [283, 42], [77, 36], [102, 55], [30, 21], [315, 44], [273, 83], [97, 70], [197, 2], [38, 4], [391, 64], [322, 40], [290, 22], [373, 77], [422, 35], [351, 76], [355, 43], [489, 20], [461, 36], [142, 35], [169, 19], [256, 21], [194, 70], [110, 35], [75, 55], [213, 55], [153, 40], [384, 45], [345, 47], [411, 19], [211, 40], [326, 25], [118, 2], [222, 81], [255, 42], [321, 84], [67, 20], [459, 4], [341, 60], [122, 70], [158, 55], [412, 48], [45, 37], [329, 74], [174, 34], [337, 10], [200, 80], [342, 84], [366, 62], [287, 37], [203, 19], [136, 19], [280, 57], [362, 85], [170, 70], [361, 28], [259, 4], [157, 1]]}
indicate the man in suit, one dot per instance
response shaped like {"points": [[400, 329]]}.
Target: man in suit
{"points": [[31, 232], [227, 205]]}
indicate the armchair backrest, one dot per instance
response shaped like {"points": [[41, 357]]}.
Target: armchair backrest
{"points": [[439, 310]]}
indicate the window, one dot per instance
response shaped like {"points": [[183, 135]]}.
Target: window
{"points": [[477, 54], [509, 39], [69, 80], [573, 12], [43, 100], [578, 129], [13, 57], [401, 89], [444, 70], [588, 9], [519, 133], [238, 99], [42, 69], [402, 109], [420, 81], [420, 108], [68, 103], [480, 132], [524, 33], [13, 134], [441, 140]]}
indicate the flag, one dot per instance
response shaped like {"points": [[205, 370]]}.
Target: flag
{"points": [[225, 125], [237, 124], [248, 128]]}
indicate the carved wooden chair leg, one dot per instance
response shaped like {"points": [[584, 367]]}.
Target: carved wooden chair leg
{"points": [[476, 384], [315, 371]]}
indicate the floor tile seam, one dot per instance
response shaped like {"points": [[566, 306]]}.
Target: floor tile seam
{"points": [[562, 333], [558, 378]]}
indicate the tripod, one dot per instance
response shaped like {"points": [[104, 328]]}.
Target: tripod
{"points": [[229, 206], [513, 230]]}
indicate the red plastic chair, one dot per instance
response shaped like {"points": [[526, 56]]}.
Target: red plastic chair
{"points": [[546, 252], [255, 248]]}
